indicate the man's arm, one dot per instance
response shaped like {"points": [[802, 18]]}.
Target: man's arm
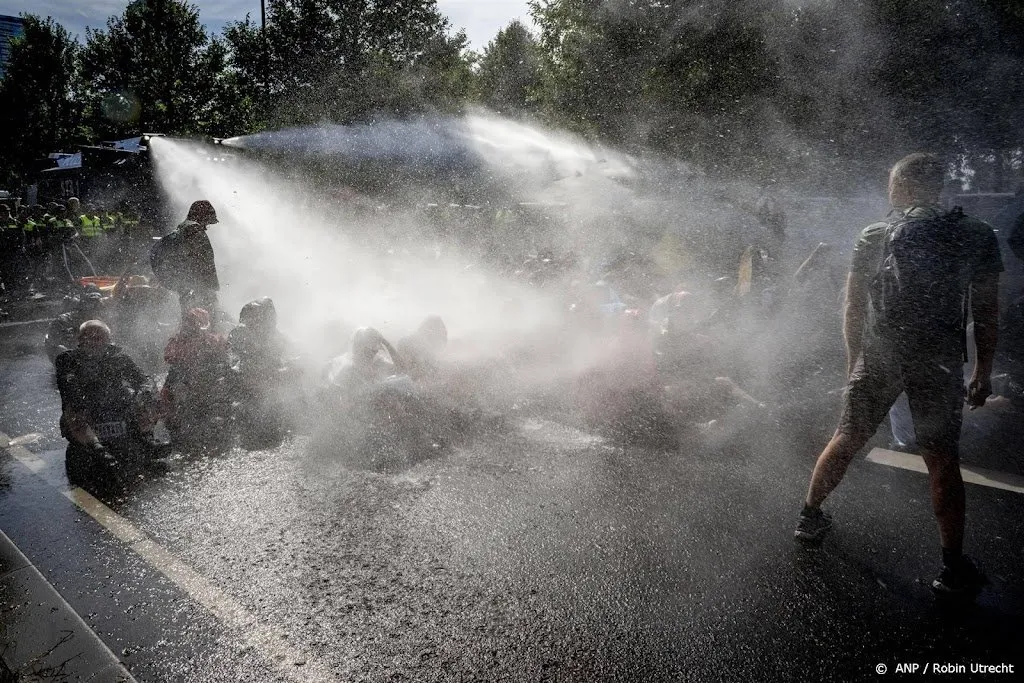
{"points": [[134, 376], [985, 310], [854, 316], [396, 358], [63, 373]]}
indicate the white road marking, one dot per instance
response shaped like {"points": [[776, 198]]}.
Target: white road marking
{"points": [[269, 642], [972, 475], [122, 672]]}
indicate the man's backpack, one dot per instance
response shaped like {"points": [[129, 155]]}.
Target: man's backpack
{"points": [[919, 292], [164, 259]]}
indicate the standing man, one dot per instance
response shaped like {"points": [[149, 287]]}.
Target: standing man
{"points": [[183, 260], [904, 324]]}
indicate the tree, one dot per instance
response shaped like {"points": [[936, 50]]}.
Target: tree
{"points": [[349, 60], [956, 74], [40, 110], [679, 75], [155, 69], [773, 88], [509, 74]]}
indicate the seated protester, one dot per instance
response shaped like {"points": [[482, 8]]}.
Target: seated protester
{"points": [[421, 350], [270, 397], [196, 358], [691, 360], [256, 345], [363, 367], [372, 396], [99, 377]]}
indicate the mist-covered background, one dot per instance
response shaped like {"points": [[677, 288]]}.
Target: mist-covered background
{"points": [[816, 94]]}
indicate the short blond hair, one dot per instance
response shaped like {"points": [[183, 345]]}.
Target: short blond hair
{"points": [[923, 174]]}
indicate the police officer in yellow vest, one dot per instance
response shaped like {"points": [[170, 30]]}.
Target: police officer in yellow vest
{"points": [[89, 225], [88, 229], [108, 223]]}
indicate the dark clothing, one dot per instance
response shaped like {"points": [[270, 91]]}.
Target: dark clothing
{"points": [[183, 260], [110, 379], [979, 256], [935, 388], [259, 355], [925, 363], [196, 358]]}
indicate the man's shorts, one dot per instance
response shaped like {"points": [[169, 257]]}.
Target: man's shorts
{"points": [[934, 387]]}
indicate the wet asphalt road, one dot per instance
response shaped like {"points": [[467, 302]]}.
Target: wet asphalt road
{"points": [[537, 553]]}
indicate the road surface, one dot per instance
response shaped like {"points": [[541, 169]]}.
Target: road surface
{"points": [[536, 552]]}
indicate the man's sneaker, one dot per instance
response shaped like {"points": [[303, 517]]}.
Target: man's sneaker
{"points": [[964, 580], [812, 526]]}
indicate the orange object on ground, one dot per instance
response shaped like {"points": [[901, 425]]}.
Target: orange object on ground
{"points": [[104, 282]]}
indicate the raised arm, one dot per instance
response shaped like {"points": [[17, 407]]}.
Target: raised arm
{"points": [[400, 364]]}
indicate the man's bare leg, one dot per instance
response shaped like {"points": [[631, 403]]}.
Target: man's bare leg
{"points": [[828, 472], [948, 499], [831, 466]]}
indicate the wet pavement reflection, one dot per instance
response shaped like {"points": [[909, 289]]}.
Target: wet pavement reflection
{"points": [[539, 552]]}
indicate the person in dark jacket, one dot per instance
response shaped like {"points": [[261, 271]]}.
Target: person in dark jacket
{"points": [[183, 260], [98, 376]]}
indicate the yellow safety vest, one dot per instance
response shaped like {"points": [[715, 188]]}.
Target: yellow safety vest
{"points": [[90, 226]]}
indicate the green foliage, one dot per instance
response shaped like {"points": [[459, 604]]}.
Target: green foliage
{"points": [[349, 60], [775, 88], [830, 89], [509, 74], [39, 109], [154, 68]]}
